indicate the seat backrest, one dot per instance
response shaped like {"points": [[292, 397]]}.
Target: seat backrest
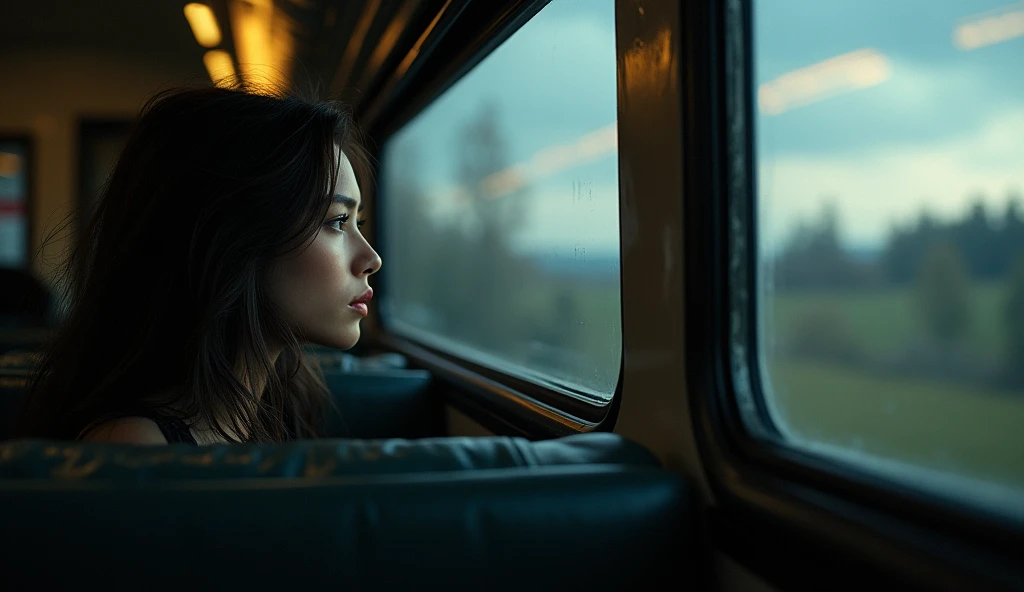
{"points": [[378, 403], [394, 403], [25, 301], [15, 368], [587, 512]]}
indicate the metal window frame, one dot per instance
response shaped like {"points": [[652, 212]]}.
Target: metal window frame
{"points": [[503, 402], [778, 503]]}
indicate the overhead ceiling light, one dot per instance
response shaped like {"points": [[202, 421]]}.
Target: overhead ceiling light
{"points": [[550, 160], [204, 24], [989, 28], [842, 74], [220, 67], [264, 40], [10, 165]]}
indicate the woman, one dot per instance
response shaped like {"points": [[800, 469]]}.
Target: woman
{"points": [[226, 238]]}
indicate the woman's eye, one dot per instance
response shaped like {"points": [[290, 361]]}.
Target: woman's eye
{"points": [[337, 223], [359, 223]]}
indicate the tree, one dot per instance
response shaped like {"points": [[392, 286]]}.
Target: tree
{"points": [[908, 246], [488, 280], [410, 233], [943, 294], [1011, 243], [988, 243], [814, 257], [978, 242], [1013, 322]]}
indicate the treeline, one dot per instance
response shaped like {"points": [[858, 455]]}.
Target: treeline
{"points": [[939, 264], [988, 245], [462, 278]]}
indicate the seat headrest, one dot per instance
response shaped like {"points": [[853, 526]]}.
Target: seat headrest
{"points": [[38, 459]]}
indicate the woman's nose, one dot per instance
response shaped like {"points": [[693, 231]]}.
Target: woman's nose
{"points": [[371, 264]]}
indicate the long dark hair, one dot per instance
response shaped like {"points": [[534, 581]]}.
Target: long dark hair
{"points": [[168, 312]]}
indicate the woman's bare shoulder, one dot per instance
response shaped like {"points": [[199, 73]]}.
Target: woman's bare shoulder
{"points": [[126, 430]]}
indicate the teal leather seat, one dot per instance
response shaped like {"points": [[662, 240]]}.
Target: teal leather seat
{"points": [[592, 512], [373, 403], [24, 460]]}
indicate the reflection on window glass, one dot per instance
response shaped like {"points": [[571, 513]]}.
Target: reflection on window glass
{"points": [[890, 142], [13, 204], [501, 208]]}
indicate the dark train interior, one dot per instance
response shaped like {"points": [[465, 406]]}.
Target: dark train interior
{"points": [[695, 295]]}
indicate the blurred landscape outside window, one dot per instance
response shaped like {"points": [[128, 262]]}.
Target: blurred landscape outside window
{"points": [[500, 204], [890, 144]]}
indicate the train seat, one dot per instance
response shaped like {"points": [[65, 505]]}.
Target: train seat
{"points": [[368, 403], [592, 511]]}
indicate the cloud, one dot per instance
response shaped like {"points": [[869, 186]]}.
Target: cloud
{"points": [[575, 210], [879, 186], [918, 103], [569, 218], [849, 72]]}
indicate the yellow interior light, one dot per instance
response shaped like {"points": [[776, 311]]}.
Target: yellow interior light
{"points": [[989, 30], [550, 160], [264, 39], [10, 164], [204, 24], [845, 73], [219, 66]]}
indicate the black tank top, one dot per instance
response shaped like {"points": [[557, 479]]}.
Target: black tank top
{"points": [[174, 429]]}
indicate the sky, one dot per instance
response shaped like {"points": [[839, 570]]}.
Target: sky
{"points": [[937, 126], [880, 107], [552, 83]]}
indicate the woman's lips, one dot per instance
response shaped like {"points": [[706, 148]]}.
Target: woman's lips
{"points": [[361, 304]]}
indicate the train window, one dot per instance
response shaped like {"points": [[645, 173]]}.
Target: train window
{"points": [[14, 191], [890, 238], [500, 204]]}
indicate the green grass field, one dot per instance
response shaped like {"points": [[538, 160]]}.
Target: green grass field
{"points": [[914, 420], [932, 424], [965, 431], [886, 321], [929, 423]]}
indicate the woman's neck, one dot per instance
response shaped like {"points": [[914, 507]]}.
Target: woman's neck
{"points": [[228, 428], [255, 381]]}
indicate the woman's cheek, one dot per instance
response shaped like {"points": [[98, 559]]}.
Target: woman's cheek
{"points": [[323, 272]]}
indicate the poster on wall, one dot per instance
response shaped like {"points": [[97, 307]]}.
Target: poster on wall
{"points": [[14, 192]]}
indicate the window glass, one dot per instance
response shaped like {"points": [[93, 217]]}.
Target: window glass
{"points": [[890, 145], [501, 208], [13, 204]]}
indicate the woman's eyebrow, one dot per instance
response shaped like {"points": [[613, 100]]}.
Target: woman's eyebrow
{"points": [[348, 202]]}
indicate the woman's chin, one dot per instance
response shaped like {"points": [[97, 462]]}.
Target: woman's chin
{"points": [[339, 340]]}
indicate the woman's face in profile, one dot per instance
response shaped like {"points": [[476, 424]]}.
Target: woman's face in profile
{"points": [[324, 289]]}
